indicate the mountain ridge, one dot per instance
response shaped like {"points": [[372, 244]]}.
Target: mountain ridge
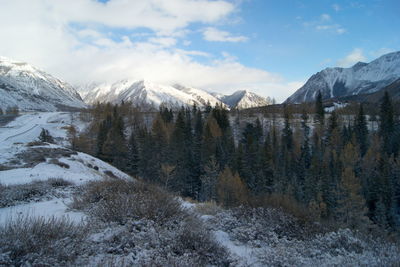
{"points": [[361, 78], [31, 89], [148, 94]]}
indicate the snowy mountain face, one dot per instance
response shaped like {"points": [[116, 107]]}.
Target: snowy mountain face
{"points": [[29, 88], [362, 78], [245, 99], [147, 94]]}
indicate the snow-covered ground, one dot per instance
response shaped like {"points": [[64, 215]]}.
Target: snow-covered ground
{"points": [[22, 163]]}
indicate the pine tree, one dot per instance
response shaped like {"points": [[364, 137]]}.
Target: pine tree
{"points": [[1, 112]]}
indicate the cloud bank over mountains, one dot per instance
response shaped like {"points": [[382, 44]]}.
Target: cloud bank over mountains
{"points": [[86, 40]]}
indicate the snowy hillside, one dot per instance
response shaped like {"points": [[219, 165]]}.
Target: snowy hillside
{"points": [[29, 88], [24, 161], [362, 78], [147, 94], [244, 99]]}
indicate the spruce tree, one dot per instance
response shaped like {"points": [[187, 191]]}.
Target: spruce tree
{"points": [[102, 134], [133, 155], [386, 126], [361, 130], [305, 158], [209, 180], [114, 148], [319, 109], [287, 133], [45, 136]]}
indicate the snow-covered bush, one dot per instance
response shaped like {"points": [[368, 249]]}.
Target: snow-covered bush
{"points": [[138, 224], [274, 238], [59, 182], [14, 194], [120, 201], [30, 241]]}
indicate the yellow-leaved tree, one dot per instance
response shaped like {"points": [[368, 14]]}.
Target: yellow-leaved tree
{"points": [[230, 189]]}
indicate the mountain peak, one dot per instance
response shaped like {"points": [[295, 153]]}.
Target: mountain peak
{"points": [[359, 65], [362, 78], [30, 88], [148, 94], [243, 99]]}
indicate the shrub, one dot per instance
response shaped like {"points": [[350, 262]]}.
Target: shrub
{"points": [[13, 194], [59, 163], [40, 241], [120, 201], [208, 208], [59, 182], [37, 143], [194, 239], [285, 202]]}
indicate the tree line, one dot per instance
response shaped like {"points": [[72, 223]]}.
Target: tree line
{"points": [[337, 171]]}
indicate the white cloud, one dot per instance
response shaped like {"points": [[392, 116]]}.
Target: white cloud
{"points": [[163, 41], [76, 41], [325, 23], [325, 17], [214, 35], [158, 15], [335, 28], [340, 30], [336, 7], [355, 56]]}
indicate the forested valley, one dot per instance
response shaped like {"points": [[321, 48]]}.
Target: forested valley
{"points": [[315, 165]]}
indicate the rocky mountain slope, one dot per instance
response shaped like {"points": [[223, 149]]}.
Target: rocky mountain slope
{"points": [[244, 99], [29, 88], [147, 94], [362, 78], [393, 89]]}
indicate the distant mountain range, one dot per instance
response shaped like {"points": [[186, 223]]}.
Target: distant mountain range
{"points": [[356, 83], [244, 99], [148, 94], [30, 88]]}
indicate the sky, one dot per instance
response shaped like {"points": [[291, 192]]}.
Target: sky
{"points": [[268, 47]]}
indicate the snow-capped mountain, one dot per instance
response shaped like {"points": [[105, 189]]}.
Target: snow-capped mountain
{"points": [[362, 78], [244, 99], [29, 88], [147, 94]]}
